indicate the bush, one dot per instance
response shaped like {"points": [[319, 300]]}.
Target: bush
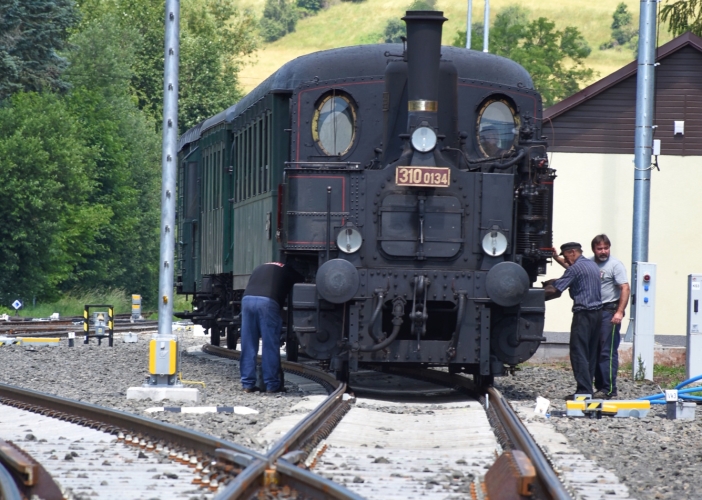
{"points": [[394, 29], [312, 6], [279, 19]]}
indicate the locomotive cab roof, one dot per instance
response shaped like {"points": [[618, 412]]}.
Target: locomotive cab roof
{"points": [[364, 61]]}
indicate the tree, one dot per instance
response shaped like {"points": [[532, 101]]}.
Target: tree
{"points": [[395, 29], [126, 163], [46, 177], [554, 58], [214, 37], [477, 34], [32, 33], [622, 31], [682, 16], [279, 19], [309, 7]]}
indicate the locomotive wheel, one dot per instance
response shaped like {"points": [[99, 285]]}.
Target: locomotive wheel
{"points": [[483, 381], [232, 337], [214, 336]]}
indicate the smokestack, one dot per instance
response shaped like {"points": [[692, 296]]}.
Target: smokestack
{"points": [[423, 56]]}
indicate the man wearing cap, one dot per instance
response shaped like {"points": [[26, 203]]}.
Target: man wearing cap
{"points": [[582, 278]]}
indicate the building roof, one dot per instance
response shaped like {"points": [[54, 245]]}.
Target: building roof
{"points": [[684, 40]]}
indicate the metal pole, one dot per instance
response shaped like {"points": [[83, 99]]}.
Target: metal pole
{"points": [[644, 130], [469, 23], [486, 26], [168, 165], [643, 142]]}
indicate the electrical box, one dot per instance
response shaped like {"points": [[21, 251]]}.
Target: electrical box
{"points": [[694, 325], [162, 356], [644, 300]]}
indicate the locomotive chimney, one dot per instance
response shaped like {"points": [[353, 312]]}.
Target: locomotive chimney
{"points": [[423, 57]]}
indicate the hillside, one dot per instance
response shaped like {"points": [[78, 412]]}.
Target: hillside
{"points": [[348, 23]]}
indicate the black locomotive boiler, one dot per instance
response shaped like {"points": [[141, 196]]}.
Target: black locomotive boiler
{"points": [[408, 183]]}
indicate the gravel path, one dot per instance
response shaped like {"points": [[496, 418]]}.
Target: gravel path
{"points": [[102, 375], [655, 457]]}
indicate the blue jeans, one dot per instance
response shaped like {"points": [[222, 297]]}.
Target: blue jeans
{"points": [[260, 318]]}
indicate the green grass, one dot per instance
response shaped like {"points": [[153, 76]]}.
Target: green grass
{"points": [[665, 376], [73, 303], [350, 23]]}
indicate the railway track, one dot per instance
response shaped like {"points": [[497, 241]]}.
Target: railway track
{"points": [[89, 450], [522, 471], [61, 328], [308, 460]]}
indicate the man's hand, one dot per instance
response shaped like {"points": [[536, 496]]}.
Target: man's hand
{"points": [[551, 291], [560, 260], [617, 318]]}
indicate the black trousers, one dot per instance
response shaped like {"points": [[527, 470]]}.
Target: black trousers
{"points": [[608, 364], [585, 348]]}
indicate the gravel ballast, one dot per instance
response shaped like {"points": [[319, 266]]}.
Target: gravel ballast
{"points": [[656, 458], [101, 375]]}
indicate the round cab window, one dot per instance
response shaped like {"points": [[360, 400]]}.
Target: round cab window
{"points": [[334, 125], [497, 128]]}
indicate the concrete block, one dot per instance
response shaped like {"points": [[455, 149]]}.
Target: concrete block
{"points": [[130, 337], [161, 393]]}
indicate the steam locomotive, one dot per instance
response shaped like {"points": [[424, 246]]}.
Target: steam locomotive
{"points": [[409, 183]]}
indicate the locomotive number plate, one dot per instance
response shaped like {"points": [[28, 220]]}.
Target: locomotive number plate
{"points": [[423, 176]]}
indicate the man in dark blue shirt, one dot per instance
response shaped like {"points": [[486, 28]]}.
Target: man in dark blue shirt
{"points": [[264, 298], [582, 278]]}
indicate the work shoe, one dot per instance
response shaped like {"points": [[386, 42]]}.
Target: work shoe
{"points": [[249, 390], [279, 389], [604, 395], [571, 397]]}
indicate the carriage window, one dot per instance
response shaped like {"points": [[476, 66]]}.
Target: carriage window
{"points": [[498, 126], [334, 124]]}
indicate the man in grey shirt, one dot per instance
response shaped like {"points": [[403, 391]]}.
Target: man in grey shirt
{"points": [[615, 295], [615, 292]]}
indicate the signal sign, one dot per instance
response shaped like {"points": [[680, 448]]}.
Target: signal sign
{"points": [[17, 304]]}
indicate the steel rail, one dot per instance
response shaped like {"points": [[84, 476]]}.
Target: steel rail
{"points": [[116, 420], [8, 487], [513, 426], [276, 470], [519, 435], [326, 379]]}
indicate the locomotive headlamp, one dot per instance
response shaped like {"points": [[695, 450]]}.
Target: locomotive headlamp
{"points": [[423, 139], [494, 243], [349, 240]]}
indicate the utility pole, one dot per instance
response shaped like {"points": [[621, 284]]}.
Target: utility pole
{"points": [[163, 382], [643, 302], [469, 23], [486, 26], [169, 156]]}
